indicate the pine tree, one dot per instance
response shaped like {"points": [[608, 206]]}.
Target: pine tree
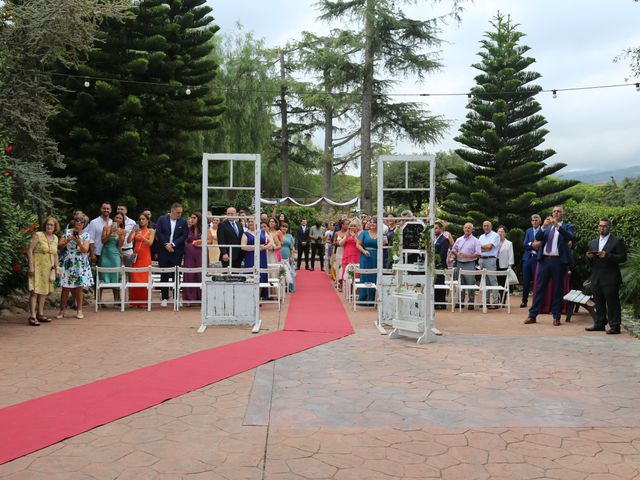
{"points": [[392, 45], [128, 137], [505, 178]]}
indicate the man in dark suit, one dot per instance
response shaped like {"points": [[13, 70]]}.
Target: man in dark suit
{"points": [[441, 247], [554, 257], [230, 233], [171, 232], [302, 246], [605, 255], [529, 258]]}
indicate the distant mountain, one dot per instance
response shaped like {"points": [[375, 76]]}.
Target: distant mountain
{"points": [[600, 176]]}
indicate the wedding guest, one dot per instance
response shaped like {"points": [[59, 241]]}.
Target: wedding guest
{"points": [[505, 251], [43, 269], [112, 240], [95, 229], [350, 253], [247, 244], [288, 254], [193, 258], [274, 255], [142, 236], [467, 251], [76, 271], [338, 240], [367, 244], [172, 234], [214, 249]]}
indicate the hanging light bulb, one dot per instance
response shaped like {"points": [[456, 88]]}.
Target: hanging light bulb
{"points": [[637, 87], [188, 91], [87, 84], [555, 93]]}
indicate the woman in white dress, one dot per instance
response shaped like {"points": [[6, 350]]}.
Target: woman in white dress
{"points": [[505, 252]]}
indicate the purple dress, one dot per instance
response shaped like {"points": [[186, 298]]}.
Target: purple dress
{"points": [[192, 258]]}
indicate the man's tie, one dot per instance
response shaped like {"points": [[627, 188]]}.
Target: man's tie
{"points": [[235, 228], [549, 245]]}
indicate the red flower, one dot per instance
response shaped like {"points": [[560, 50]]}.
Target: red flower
{"points": [[8, 149], [9, 172], [23, 250], [17, 267]]}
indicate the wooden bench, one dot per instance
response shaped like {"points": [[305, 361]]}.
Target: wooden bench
{"points": [[577, 299]]}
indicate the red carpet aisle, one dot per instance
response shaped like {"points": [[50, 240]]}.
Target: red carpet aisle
{"points": [[315, 316]]}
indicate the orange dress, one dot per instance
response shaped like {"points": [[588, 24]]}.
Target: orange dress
{"points": [[140, 294]]}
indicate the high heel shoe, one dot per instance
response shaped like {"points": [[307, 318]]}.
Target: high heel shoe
{"points": [[60, 314], [79, 315], [43, 319], [33, 322]]}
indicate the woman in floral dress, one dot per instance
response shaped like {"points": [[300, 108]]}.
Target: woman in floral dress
{"points": [[76, 271]]}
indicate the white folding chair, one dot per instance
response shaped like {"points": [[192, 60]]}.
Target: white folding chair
{"points": [[157, 283], [100, 285], [449, 287], [502, 288], [127, 284], [273, 286], [474, 287], [360, 284], [349, 279], [180, 284]]}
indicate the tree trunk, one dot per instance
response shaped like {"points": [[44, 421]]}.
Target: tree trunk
{"points": [[284, 129], [367, 101], [327, 156]]}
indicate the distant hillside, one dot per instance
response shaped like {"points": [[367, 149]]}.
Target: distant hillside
{"points": [[600, 176]]}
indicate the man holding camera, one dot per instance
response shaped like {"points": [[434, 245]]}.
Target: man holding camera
{"points": [[554, 257]]}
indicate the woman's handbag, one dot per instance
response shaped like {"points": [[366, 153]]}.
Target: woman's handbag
{"points": [[130, 260], [512, 278]]}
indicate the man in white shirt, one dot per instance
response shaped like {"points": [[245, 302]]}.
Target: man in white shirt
{"points": [[489, 245], [129, 224], [95, 231]]}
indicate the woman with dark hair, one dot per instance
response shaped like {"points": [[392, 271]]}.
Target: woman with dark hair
{"points": [[111, 256], [288, 255], [247, 243], [193, 258], [76, 271], [43, 268], [142, 237]]}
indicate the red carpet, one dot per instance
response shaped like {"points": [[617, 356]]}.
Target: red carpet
{"points": [[315, 316]]}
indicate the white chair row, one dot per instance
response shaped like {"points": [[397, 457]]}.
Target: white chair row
{"points": [[154, 282], [480, 286], [353, 283], [176, 283]]}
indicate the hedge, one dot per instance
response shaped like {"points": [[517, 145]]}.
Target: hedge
{"points": [[584, 217]]}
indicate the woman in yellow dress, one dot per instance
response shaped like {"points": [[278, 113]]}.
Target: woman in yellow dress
{"points": [[43, 268], [214, 250]]}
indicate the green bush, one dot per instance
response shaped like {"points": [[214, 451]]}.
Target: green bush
{"points": [[16, 227], [584, 217]]}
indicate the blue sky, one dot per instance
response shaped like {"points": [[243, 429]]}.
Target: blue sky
{"points": [[573, 41]]}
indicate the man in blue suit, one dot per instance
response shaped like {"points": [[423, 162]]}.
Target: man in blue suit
{"points": [[554, 257], [171, 233], [529, 259]]}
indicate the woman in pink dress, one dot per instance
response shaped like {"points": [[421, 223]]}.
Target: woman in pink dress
{"points": [[350, 252]]}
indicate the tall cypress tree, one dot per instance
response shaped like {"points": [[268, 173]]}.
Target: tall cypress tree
{"points": [[127, 137], [505, 177]]}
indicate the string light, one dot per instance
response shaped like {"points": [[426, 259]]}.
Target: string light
{"points": [[187, 91]]}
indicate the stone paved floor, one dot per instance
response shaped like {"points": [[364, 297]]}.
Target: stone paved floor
{"points": [[492, 399]]}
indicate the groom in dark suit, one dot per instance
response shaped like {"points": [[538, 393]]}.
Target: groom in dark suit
{"points": [[605, 255], [171, 234], [554, 257], [230, 233], [302, 243]]}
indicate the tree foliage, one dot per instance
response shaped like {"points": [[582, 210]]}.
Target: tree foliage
{"points": [[505, 178], [128, 137], [35, 35], [392, 45]]}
